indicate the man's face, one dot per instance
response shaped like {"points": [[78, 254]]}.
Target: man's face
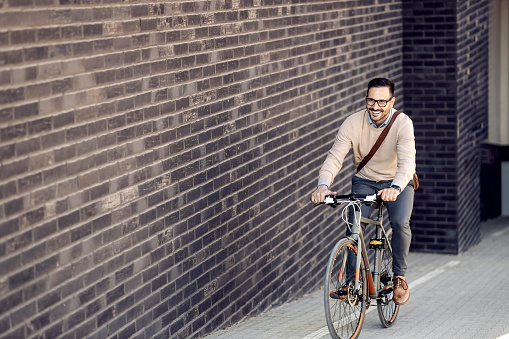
{"points": [[379, 114]]}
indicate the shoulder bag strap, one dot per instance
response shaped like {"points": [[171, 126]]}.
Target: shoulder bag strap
{"points": [[378, 142]]}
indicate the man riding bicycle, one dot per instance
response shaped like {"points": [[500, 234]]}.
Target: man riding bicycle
{"points": [[388, 172]]}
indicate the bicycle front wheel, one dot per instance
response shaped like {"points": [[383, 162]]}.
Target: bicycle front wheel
{"points": [[387, 309], [344, 305]]}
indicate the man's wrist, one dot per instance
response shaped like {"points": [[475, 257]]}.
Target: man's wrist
{"points": [[396, 186], [322, 183]]}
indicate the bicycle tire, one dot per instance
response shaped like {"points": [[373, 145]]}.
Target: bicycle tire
{"points": [[344, 315], [387, 309]]}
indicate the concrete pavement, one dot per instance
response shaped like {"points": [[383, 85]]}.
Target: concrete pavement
{"points": [[452, 296]]}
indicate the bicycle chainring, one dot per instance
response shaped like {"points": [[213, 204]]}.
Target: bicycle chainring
{"points": [[353, 295]]}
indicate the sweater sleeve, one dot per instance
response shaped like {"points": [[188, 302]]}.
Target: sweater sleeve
{"points": [[334, 161], [405, 149]]}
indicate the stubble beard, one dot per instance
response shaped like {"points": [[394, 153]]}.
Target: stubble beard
{"points": [[380, 115]]}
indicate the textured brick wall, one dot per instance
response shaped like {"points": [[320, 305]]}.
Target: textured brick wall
{"points": [[430, 97], [445, 81], [157, 157], [472, 108]]}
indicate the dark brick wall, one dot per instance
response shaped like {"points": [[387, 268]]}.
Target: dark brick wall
{"points": [[430, 99], [157, 157], [472, 108], [445, 81]]}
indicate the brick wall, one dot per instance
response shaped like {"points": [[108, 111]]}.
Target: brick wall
{"points": [[472, 108], [157, 157], [445, 68], [430, 98]]}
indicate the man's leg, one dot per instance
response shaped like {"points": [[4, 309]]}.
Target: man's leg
{"points": [[399, 215]]}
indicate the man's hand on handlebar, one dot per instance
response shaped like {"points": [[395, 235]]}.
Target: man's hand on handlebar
{"points": [[388, 194], [319, 194]]}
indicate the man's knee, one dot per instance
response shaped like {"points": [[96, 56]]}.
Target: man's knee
{"points": [[400, 224]]}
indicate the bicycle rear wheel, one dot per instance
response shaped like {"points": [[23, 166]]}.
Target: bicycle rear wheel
{"points": [[344, 306], [387, 309]]}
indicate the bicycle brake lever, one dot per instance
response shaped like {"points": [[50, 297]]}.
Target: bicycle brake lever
{"points": [[371, 198], [329, 200]]}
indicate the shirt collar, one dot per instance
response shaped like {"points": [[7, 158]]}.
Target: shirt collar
{"points": [[385, 122]]}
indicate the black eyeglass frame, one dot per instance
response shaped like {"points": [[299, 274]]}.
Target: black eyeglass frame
{"points": [[378, 102]]}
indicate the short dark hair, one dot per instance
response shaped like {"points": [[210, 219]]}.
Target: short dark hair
{"points": [[381, 82]]}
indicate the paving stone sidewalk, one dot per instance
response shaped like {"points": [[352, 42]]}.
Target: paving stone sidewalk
{"points": [[452, 296]]}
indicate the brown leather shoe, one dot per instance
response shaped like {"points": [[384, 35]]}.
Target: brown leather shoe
{"points": [[401, 292], [341, 293]]}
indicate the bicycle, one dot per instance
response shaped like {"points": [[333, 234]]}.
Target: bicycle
{"points": [[350, 285]]}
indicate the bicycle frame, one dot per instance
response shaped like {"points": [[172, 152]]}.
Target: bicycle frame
{"points": [[372, 277]]}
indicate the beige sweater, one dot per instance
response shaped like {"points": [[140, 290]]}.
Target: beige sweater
{"points": [[394, 160]]}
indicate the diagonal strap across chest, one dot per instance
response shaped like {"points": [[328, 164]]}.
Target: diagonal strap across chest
{"points": [[378, 142]]}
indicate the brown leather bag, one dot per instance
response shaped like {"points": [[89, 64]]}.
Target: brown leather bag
{"points": [[377, 145], [416, 181]]}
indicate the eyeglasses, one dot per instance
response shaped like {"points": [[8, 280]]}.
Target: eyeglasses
{"points": [[381, 103]]}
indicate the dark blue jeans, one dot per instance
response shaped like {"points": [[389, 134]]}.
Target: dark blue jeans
{"points": [[399, 216]]}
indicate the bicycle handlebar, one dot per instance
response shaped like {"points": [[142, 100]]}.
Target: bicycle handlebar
{"points": [[335, 200]]}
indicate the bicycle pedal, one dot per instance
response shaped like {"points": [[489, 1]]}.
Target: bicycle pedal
{"points": [[338, 295], [377, 244]]}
